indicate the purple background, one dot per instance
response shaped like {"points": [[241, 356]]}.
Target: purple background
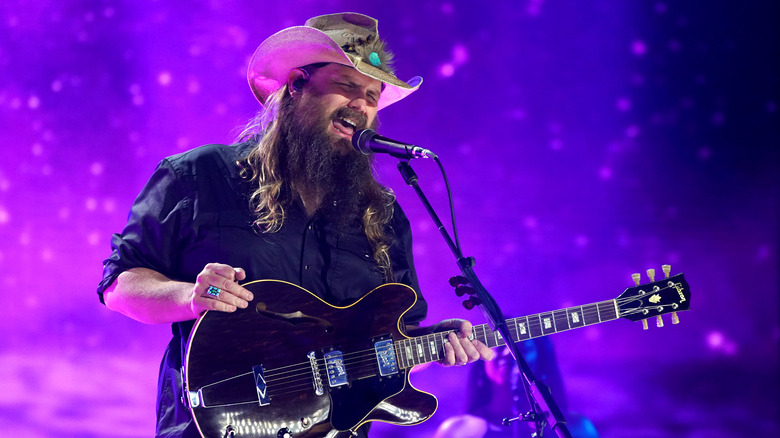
{"points": [[584, 141]]}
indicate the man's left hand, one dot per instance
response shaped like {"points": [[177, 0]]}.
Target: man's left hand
{"points": [[461, 350]]}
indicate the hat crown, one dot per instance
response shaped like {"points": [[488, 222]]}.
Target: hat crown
{"points": [[357, 36], [346, 28]]}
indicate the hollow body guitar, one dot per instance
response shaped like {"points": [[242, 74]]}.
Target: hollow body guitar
{"points": [[293, 365]]}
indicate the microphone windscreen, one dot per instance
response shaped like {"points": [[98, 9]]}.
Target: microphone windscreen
{"points": [[360, 138]]}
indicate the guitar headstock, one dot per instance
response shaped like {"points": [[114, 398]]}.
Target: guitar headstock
{"points": [[670, 295]]}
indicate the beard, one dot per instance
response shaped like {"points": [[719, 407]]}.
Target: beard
{"points": [[315, 161]]}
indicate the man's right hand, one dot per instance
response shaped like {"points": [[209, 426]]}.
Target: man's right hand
{"points": [[152, 298], [217, 288]]}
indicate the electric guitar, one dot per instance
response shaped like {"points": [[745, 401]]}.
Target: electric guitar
{"points": [[292, 365]]}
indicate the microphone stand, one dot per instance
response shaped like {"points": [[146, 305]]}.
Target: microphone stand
{"points": [[543, 407]]}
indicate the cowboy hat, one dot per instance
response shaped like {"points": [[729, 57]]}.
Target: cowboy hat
{"points": [[348, 38]]}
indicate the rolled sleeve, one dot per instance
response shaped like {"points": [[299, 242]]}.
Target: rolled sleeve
{"points": [[154, 228]]}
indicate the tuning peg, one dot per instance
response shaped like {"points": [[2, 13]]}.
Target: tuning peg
{"points": [[644, 324], [471, 302], [659, 321], [651, 274], [463, 290], [458, 280], [637, 277], [667, 270], [675, 318]]}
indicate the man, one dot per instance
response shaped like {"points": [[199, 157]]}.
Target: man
{"points": [[292, 202]]}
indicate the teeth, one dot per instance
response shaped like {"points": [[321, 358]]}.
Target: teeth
{"points": [[349, 122]]}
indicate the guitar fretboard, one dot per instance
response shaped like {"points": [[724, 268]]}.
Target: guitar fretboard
{"points": [[430, 348]]}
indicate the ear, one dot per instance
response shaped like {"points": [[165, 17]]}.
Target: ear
{"points": [[296, 80]]}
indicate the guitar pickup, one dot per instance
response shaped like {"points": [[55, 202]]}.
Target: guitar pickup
{"points": [[385, 357], [334, 366]]}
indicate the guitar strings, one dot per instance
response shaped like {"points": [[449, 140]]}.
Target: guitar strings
{"points": [[359, 364], [363, 363], [360, 358]]}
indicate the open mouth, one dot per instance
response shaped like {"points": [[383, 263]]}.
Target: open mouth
{"points": [[345, 125]]}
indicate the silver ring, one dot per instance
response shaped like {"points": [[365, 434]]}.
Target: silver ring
{"points": [[213, 291]]}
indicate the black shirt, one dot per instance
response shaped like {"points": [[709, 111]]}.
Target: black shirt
{"points": [[194, 210]]}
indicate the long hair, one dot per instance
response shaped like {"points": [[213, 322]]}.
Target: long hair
{"points": [[272, 193]]}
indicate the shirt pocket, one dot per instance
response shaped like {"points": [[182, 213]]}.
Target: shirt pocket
{"points": [[241, 247]]}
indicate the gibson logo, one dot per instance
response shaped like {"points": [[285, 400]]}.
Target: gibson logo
{"points": [[679, 288]]}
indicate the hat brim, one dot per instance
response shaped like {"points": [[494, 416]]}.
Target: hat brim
{"points": [[298, 46]]}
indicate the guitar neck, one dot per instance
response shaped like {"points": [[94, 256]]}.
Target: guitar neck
{"points": [[430, 348]]}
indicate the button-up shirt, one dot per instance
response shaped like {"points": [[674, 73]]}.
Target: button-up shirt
{"points": [[194, 210]]}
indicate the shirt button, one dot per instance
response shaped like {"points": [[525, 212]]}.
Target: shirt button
{"points": [[306, 267], [310, 227]]}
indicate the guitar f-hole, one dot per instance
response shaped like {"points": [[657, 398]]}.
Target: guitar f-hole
{"points": [[293, 318]]}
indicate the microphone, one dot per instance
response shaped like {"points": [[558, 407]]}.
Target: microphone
{"points": [[368, 141]]}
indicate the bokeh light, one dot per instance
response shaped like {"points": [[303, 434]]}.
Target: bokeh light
{"points": [[583, 141]]}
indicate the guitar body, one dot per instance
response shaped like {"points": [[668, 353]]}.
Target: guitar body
{"points": [[289, 339]]}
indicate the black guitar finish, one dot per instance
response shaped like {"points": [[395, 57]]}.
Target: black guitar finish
{"points": [[320, 364], [278, 331]]}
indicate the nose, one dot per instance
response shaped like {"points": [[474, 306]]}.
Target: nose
{"points": [[359, 103]]}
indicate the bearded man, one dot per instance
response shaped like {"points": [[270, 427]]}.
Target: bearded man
{"points": [[292, 201]]}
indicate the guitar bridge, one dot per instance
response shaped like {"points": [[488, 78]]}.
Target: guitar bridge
{"points": [[315, 371]]}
